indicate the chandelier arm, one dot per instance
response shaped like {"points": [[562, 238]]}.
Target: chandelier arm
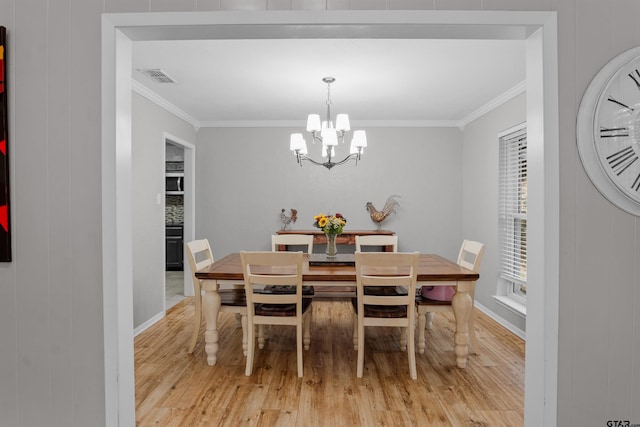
{"points": [[328, 164]]}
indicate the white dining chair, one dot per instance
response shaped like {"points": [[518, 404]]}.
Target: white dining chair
{"points": [[470, 256], [376, 243], [292, 240], [283, 269], [389, 309]]}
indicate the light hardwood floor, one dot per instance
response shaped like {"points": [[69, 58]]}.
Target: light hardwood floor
{"points": [[174, 388]]}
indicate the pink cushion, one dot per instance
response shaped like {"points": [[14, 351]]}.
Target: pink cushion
{"points": [[438, 293]]}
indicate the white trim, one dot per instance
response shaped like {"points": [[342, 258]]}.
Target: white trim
{"points": [[149, 323], [494, 103], [354, 124], [142, 90], [502, 321], [511, 304]]}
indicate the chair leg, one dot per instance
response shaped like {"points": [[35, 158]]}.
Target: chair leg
{"points": [[430, 316], [261, 336], [243, 322], [307, 329], [411, 351], [196, 323], [238, 317], [403, 338], [355, 331], [360, 368], [299, 346], [251, 349], [422, 321]]}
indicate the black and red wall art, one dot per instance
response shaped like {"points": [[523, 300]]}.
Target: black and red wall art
{"points": [[5, 229]]}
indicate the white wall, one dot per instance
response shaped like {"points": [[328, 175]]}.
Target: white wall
{"points": [[148, 159], [51, 357], [246, 176], [480, 196]]}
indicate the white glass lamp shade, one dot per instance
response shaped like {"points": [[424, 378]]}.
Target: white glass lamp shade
{"points": [[313, 123], [342, 122], [329, 137], [359, 139], [297, 143], [352, 148]]}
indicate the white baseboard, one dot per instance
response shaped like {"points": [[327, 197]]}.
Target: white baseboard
{"points": [[146, 325], [502, 321]]}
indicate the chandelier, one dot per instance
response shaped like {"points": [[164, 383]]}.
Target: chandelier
{"points": [[329, 136]]}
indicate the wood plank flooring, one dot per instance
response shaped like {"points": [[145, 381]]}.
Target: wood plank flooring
{"points": [[174, 388]]}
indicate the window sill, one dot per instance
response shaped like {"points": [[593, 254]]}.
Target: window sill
{"points": [[512, 305]]}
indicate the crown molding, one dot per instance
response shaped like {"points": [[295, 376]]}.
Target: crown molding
{"points": [[494, 103], [142, 90], [489, 106], [354, 124]]}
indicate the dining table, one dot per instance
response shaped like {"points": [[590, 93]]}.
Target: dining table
{"points": [[433, 270]]}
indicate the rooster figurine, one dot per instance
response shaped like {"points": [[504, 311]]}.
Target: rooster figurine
{"points": [[287, 220], [389, 208]]}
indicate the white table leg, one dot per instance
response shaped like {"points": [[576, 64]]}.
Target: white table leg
{"points": [[461, 303], [211, 306]]}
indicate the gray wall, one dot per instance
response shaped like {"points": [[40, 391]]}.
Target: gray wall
{"points": [[148, 159], [480, 196], [246, 176], [51, 358]]}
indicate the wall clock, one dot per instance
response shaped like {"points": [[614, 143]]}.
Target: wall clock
{"points": [[608, 131]]}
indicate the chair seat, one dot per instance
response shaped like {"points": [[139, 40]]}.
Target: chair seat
{"points": [[233, 297], [381, 311], [286, 289], [282, 310], [420, 300]]}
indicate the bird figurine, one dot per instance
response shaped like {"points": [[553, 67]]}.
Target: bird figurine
{"points": [[287, 220], [389, 208]]}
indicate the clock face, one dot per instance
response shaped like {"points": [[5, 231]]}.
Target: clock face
{"points": [[608, 131]]}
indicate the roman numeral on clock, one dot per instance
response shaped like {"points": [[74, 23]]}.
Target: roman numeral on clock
{"points": [[615, 101], [622, 159], [613, 132], [636, 183], [636, 78]]}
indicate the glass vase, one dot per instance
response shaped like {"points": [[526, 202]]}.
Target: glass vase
{"points": [[332, 249]]}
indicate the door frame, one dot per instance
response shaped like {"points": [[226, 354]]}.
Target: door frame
{"points": [[539, 29], [189, 229]]}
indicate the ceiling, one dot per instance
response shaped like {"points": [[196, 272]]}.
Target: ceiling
{"points": [[279, 82]]}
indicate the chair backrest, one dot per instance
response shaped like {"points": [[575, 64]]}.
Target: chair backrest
{"points": [[200, 256], [379, 241], [386, 269], [293, 240], [276, 269], [471, 254]]}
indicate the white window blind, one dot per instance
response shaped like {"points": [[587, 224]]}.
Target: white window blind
{"points": [[513, 208]]}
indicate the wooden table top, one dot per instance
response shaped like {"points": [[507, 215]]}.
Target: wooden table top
{"points": [[431, 268]]}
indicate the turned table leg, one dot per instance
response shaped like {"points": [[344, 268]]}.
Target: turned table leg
{"points": [[461, 303], [211, 306]]}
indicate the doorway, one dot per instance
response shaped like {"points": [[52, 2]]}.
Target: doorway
{"points": [[538, 28]]}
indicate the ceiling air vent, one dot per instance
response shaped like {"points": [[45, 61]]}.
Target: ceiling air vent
{"points": [[157, 75]]}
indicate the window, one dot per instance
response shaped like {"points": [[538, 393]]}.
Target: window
{"points": [[513, 213]]}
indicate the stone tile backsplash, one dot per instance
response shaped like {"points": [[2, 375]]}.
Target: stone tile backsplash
{"points": [[174, 210]]}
